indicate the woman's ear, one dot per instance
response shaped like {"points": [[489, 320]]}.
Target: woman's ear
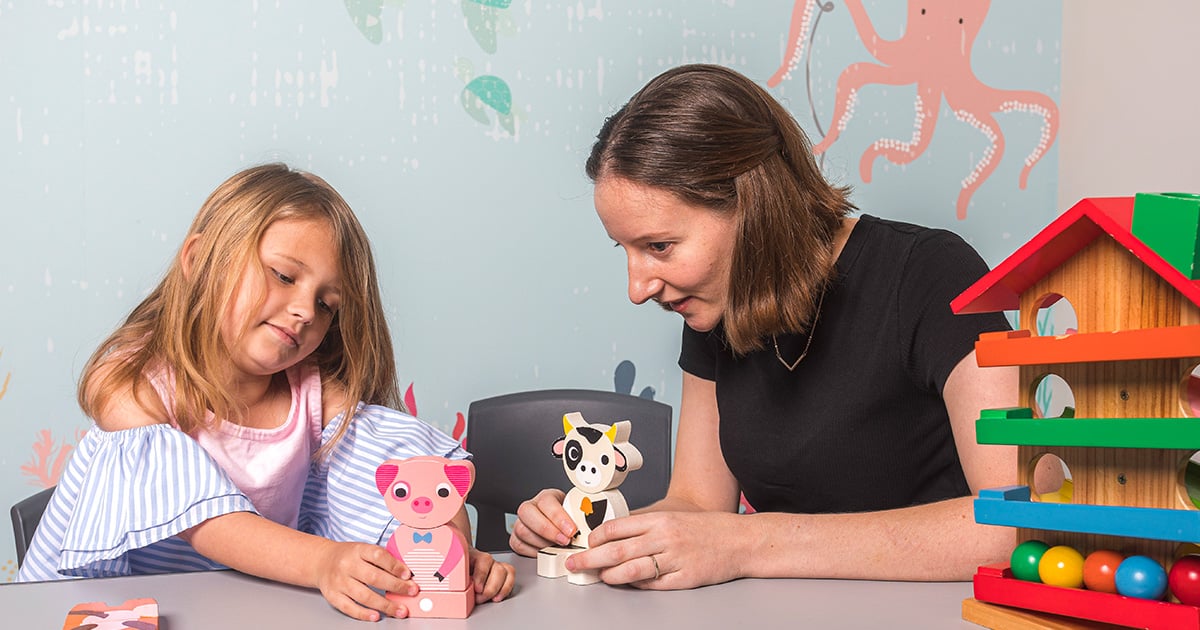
{"points": [[187, 254]]}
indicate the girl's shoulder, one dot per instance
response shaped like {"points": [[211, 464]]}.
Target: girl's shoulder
{"points": [[333, 399], [133, 405]]}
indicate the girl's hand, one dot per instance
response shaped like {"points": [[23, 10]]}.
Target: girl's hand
{"points": [[492, 580], [666, 550], [347, 571], [542, 522]]}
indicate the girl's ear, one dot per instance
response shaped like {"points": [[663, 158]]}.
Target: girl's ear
{"points": [[187, 253]]}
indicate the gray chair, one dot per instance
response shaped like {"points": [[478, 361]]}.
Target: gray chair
{"points": [[511, 436], [26, 514]]}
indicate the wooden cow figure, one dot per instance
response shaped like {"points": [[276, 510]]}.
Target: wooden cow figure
{"points": [[424, 494], [596, 458]]}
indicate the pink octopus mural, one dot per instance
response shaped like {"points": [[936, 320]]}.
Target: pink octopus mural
{"points": [[934, 54]]}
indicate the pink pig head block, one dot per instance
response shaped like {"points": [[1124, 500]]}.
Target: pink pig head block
{"points": [[424, 494]]}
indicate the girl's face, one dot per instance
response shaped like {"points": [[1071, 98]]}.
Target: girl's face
{"points": [[679, 254], [301, 292]]}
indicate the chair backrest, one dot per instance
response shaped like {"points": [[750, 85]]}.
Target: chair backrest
{"points": [[26, 514], [511, 437]]}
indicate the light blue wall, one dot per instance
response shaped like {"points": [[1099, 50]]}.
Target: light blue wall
{"points": [[118, 117]]}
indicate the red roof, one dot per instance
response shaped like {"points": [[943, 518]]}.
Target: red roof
{"points": [[1001, 288]]}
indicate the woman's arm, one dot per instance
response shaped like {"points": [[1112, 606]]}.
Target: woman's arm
{"points": [[937, 541], [700, 481]]}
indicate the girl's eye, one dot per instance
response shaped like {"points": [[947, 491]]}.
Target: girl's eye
{"points": [[325, 307], [281, 277]]}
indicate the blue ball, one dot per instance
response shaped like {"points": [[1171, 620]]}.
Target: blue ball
{"points": [[1141, 577]]}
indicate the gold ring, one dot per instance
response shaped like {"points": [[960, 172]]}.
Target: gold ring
{"points": [[655, 561]]}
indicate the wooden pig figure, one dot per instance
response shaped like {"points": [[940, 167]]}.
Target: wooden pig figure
{"points": [[424, 494], [596, 458]]}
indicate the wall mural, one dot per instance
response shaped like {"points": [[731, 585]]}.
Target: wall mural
{"points": [[458, 130], [7, 378], [935, 54], [485, 20]]}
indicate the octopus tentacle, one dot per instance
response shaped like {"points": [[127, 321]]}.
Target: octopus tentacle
{"points": [[851, 80], [986, 124], [801, 26], [1041, 105], [926, 106]]}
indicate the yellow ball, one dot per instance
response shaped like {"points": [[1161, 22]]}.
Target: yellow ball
{"points": [[1061, 566]]}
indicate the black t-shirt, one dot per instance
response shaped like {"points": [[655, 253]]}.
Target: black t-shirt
{"points": [[860, 425]]}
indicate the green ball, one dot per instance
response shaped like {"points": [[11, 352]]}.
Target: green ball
{"points": [[1025, 559]]}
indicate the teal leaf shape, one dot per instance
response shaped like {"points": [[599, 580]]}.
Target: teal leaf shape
{"points": [[366, 17], [482, 21], [493, 91]]}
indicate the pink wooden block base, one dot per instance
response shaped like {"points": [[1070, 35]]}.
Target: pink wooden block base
{"points": [[437, 604]]}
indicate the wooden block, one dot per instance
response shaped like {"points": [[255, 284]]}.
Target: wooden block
{"points": [[1011, 507], [1123, 345], [550, 561], [583, 578], [995, 585], [424, 494], [1005, 618], [437, 604], [1169, 223], [1167, 433], [550, 564], [137, 614]]}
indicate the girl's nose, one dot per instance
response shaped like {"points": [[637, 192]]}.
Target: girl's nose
{"points": [[303, 308]]}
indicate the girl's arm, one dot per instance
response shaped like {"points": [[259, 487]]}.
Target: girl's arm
{"points": [[344, 572], [937, 541]]}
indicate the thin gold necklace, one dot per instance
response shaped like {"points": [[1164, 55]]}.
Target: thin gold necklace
{"points": [[811, 329]]}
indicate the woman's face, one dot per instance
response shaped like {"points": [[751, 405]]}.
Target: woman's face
{"points": [[679, 254]]}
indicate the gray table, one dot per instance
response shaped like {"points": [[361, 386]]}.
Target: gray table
{"points": [[226, 599]]}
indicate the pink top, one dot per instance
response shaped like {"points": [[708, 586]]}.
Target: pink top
{"points": [[269, 465]]}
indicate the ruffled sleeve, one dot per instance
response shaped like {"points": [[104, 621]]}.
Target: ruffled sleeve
{"points": [[123, 492], [341, 502]]}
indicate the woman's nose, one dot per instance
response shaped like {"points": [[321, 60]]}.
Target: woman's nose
{"points": [[643, 284]]}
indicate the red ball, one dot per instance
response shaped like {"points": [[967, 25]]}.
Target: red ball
{"points": [[1184, 580], [1100, 570]]}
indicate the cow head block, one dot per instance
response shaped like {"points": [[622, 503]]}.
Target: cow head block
{"points": [[596, 457], [424, 492]]}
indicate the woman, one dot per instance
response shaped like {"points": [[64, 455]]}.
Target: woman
{"points": [[824, 375]]}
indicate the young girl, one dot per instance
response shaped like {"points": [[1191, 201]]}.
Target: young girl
{"points": [[228, 424]]}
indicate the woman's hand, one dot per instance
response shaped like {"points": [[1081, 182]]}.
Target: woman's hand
{"points": [[542, 522], [492, 580], [667, 550], [347, 571]]}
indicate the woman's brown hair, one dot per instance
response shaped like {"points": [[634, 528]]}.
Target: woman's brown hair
{"points": [[714, 138], [177, 325]]}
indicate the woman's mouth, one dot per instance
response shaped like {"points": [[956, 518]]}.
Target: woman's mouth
{"points": [[678, 306]]}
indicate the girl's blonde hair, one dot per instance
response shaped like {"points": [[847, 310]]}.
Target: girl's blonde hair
{"points": [[714, 138], [177, 326]]}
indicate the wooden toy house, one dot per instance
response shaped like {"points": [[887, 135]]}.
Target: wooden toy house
{"points": [[1128, 267]]}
